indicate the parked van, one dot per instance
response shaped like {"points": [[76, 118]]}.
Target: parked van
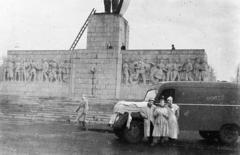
{"points": [[212, 108]]}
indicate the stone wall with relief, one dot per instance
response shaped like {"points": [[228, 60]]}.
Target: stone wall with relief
{"points": [[143, 68], [50, 69]]}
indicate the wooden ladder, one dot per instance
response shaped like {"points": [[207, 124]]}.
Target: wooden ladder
{"points": [[75, 42]]}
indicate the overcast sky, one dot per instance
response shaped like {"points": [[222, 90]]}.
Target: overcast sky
{"points": [[213, 25]]}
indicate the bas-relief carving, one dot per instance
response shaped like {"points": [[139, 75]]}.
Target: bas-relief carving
{"points": [[35, 70], [143, 72]]}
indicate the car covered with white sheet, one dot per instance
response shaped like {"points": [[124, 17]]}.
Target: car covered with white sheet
{"points": [[128, 118]]}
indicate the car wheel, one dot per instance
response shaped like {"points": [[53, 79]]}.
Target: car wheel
{"points": [[229, 134], [118, 133], [135, 133]]}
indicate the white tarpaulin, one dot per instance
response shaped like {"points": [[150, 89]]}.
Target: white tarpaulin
{"points": [[124, 106]]}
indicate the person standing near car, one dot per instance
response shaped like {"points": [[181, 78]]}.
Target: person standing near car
{"points": [[161, 129], [82, 111], [173, 118], [148, 122]]}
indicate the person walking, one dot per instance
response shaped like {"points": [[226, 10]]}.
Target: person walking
{"points": [[173, 118], [161, 129], [82, 111]]}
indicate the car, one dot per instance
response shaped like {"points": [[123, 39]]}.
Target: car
{"points": [[212, 108]]}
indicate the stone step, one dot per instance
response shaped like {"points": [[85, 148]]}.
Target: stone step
{"points": [[50, 109]]}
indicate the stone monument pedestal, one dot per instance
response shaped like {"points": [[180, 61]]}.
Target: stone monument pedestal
{"points": [[107, 31], [106, 70], [107, 35]]}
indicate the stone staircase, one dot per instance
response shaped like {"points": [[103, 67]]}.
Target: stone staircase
{"points": [[52, 109]]}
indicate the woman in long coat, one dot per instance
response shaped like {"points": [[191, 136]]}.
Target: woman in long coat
{"points": [[161, 129], [173, 118]]}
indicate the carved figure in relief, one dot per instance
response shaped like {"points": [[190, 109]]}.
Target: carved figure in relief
{"points": [[152, 73], [33, 72], [17, 71], [162, 67], [5, 71], [169, 69], [45, 70], [140, 71], [53, 71], [189, 69], [203, 70], [183, 71], [175, 72], [21, 70], [180, 70], [62, 71], [157, 73], [133, 73], [196, 70], [10, 70], [39, 68], [26, 69], [51, 75], [59, 70], [67, 69], [126, 73]]}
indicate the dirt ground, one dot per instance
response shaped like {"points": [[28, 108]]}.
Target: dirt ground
{"points": [[24, 137]]}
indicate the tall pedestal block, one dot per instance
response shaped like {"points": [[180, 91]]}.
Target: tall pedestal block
{"points": [[107, 31]]}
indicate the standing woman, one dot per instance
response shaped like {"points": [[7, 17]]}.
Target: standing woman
{"points": [[160, 114], [173, 118]]}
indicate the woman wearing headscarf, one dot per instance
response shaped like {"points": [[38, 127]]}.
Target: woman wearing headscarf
{"points": [[161, 129]]}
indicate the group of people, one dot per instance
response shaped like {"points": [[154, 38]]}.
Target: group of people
{"points": [[164, 119], [162, 116]]}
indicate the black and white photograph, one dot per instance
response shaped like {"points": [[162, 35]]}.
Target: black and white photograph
{"points": [[119, 77]]}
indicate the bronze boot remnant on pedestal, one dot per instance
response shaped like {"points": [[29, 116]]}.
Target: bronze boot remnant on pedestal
{"points": [[116, 6], [107, 5]]}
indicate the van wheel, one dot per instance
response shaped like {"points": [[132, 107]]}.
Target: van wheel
{"points": [[135, 133], [118, 133], [229, 134], [209, 135]]}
